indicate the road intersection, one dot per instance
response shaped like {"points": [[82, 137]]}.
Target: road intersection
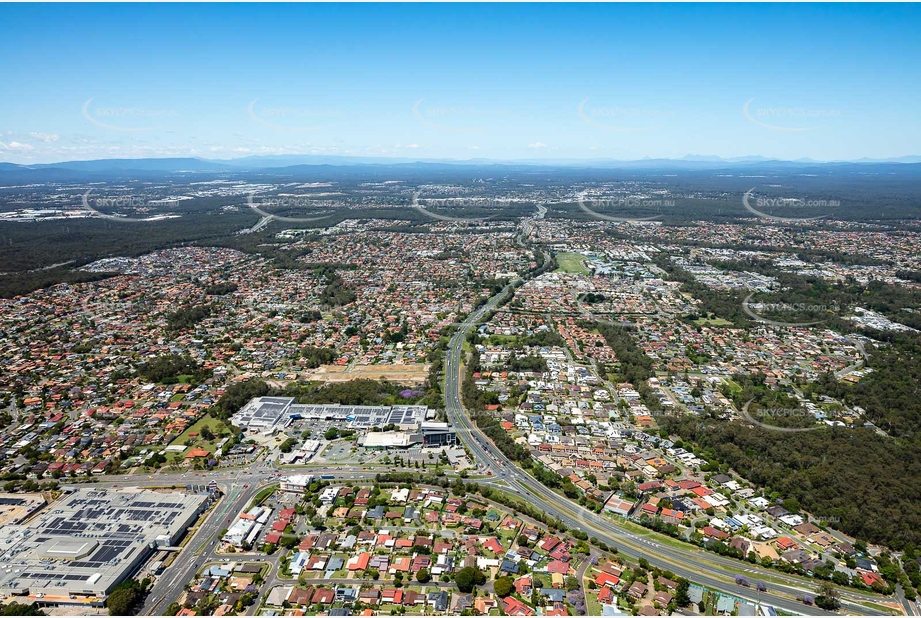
{"points": [[240, 486], [708, 569]]}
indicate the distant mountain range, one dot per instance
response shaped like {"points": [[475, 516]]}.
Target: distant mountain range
{"points": [[70, 171]]}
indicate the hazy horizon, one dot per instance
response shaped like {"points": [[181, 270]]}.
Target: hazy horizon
{"points": [[499, 82], [292, 158]]}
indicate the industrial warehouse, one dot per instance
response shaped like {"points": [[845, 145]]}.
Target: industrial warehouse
{"points": [[82, 546]]}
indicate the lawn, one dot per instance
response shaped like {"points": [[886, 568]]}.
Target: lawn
{"points": [[733, 386], [263, 495], [571, 263], [506, 536], [712, 322], [591, 600], [185, 438], [215, 425], [503, 339]]}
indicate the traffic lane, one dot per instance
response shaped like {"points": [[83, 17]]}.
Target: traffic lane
{"points": [[695, 575], [180, 481], [457, 416], [674, 558], [187, 560], [455, 410], [165, 590], [628, 543], [532, 484]]}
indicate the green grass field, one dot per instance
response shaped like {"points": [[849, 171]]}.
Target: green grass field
{"points": [[503, 339], [571, 263], [215, 425], [734, 387], [263, 495], [712, 322], [591, 600], [185, 438]]}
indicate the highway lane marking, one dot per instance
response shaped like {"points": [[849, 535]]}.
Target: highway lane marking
{"points": [[567, 510], [456, 408]]}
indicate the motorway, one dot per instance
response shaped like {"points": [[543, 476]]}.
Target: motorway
{"points": [[706, 568], [240, 485]]}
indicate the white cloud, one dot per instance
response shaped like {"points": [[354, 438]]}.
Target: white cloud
{"points": [[16, 146], [537, 145], [45, 137]]}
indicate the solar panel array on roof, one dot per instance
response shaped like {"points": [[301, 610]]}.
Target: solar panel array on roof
{"points": [[44, 575], [264, 412], [105, 533], [109, 550]]}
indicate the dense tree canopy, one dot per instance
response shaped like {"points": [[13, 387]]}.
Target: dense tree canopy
{"points": [[187, 317], [237, 395], [169, 367], [20, 609], [868, 483], [469, 577]]}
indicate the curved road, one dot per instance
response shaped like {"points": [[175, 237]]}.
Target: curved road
{"points": [[697, 565]]}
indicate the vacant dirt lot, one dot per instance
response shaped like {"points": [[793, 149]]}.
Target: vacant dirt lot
{"points": [[404, 374]]}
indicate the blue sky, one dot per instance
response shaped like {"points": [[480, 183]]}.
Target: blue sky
{"points": [[520, 81]]}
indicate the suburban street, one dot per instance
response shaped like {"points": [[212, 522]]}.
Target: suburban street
{"points": [[239, 485], [694, 564]]}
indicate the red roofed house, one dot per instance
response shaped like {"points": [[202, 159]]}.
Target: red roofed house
{"points": [[493, 545], [558, 609], [604, 579], [359, 562], [714, 533], [514, 607], [548, 543], [523, 585]]}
